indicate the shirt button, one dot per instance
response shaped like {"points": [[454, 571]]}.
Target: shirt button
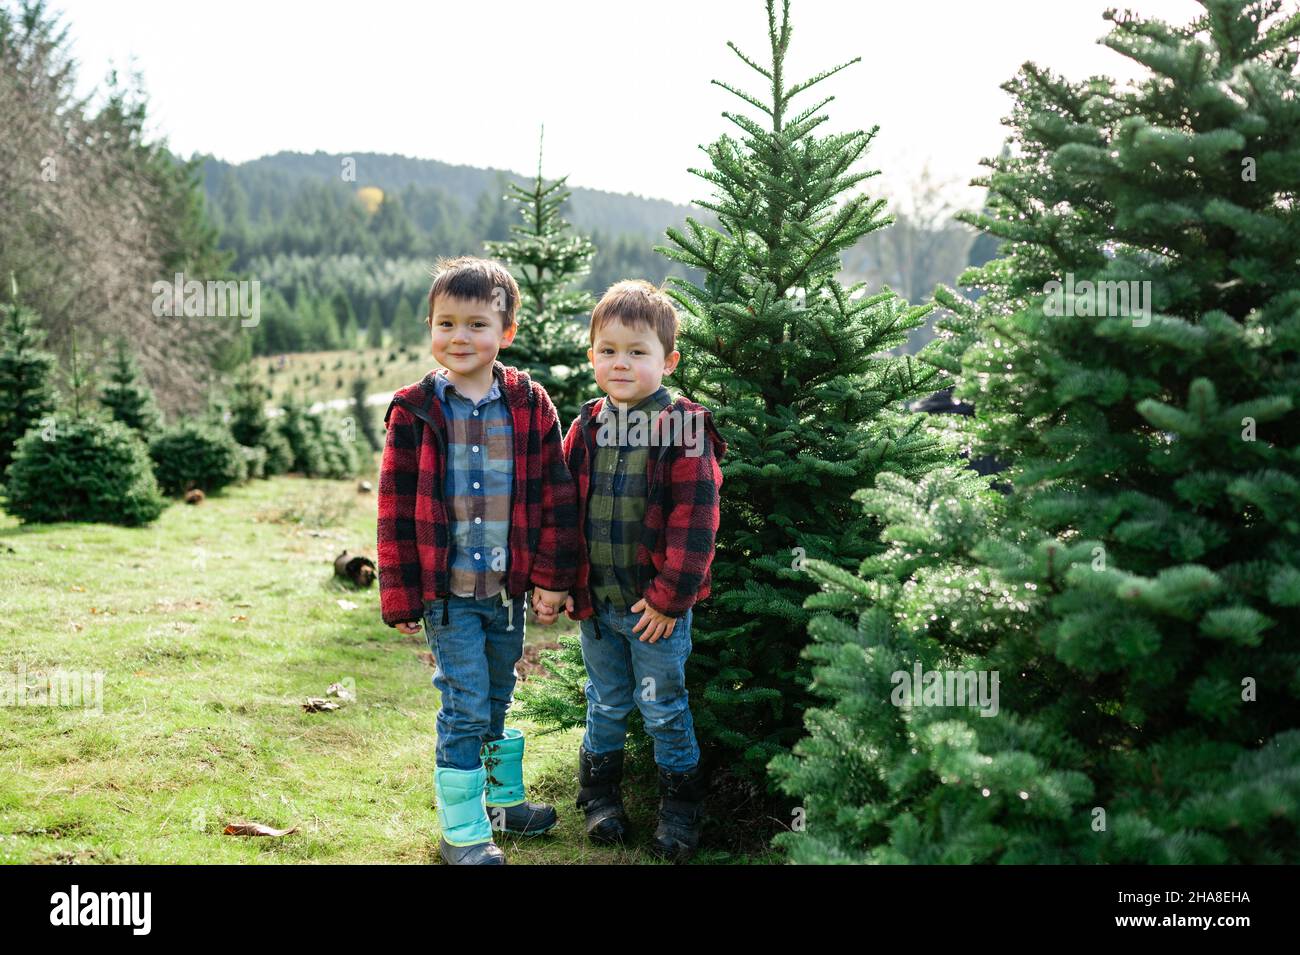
{"points": [[478, 556], [476, 484], [475, 412], [476, 447], [478, 520]]}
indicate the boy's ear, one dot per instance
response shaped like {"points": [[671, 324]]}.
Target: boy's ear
{"points": [[591, 356], [670, 363]]}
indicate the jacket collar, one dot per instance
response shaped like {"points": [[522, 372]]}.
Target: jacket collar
{"points": [[441, 383], [594, 409], [516, 387], [589, 422]]}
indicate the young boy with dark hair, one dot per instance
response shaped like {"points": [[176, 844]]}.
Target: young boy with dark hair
{"points": [[648, 480], [476, 507]]}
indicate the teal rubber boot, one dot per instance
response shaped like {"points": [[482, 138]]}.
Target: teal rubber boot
{"points": [[466, 830], [507, 808]]}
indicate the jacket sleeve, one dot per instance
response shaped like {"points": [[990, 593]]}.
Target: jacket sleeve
{"points": [[581, 595], [554, 566], [400, 595], [691, 526]]}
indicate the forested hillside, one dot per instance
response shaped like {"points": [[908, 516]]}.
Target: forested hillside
{"points": [[338, 241]]}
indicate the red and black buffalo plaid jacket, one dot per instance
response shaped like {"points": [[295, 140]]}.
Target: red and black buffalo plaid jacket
{"points": [[414, 519], [681, 510]]}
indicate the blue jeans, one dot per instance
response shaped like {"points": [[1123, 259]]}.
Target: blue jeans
{"points": [[475, 656], [623, 671]]}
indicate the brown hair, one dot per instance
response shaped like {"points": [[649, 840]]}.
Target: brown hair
{"points": [[479, 280], [637, 303]]}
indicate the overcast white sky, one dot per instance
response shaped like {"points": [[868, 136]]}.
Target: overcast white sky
{"points": [[623, 88]]}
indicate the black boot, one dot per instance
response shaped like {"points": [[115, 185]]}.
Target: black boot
{"points": [[601, 795], [678, 833]]}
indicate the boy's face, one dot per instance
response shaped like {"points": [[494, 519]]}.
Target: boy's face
{"points": [[629, 361], [466, 334]]}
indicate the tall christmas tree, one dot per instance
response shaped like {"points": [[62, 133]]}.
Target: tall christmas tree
{"points": [[547, 259], [126, 398], [1135, 360], [27, 391], [793, 365]]}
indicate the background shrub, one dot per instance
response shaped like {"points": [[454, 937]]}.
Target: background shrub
{"points": [[195, 454], [254, 460], [338, 445], [82, 470], [303, 439]]}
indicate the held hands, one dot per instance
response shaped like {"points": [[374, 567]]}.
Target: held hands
{"points": [[547, 604], [657, 625]]}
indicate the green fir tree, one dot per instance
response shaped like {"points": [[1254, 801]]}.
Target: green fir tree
{"points": [[548, 260], [27, 392], [126, 398], [404, 322], [365, 417], [374, 327], [794, 366], [1138, 590]]}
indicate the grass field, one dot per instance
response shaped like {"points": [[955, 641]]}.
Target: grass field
{"points": [[210, 628]]}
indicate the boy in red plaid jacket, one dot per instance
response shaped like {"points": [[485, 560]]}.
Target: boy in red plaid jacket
{"points": [[648, 479], [476, 506]]}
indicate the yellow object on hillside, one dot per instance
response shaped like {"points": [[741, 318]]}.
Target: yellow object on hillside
{"points": [[371, 197]]}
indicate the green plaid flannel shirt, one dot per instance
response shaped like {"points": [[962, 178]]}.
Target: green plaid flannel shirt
{"points": [[616, 511]]}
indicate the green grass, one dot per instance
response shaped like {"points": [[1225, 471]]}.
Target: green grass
{"points": [[210, 627]]}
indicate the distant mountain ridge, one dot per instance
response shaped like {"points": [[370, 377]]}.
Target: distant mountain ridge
{"points": [[283, 173]]}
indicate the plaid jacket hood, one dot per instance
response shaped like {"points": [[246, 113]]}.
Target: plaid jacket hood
{"points": [[681, 513], [414, 531]]}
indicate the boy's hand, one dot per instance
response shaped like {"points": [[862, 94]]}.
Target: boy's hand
{"points": [[408, 627], [567, 608], [547, 604], [656, 624]]}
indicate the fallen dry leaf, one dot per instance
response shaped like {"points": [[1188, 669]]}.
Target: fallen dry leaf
{"points": [[255, 829], [347, 604], [239, 618]]}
